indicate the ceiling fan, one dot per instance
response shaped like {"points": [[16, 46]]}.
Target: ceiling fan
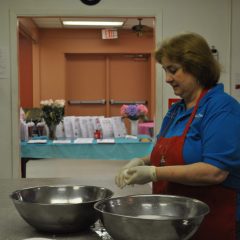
{"points": [[139, 29]]}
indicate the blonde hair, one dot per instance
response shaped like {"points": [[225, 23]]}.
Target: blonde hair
{"points": [[193, 53]]}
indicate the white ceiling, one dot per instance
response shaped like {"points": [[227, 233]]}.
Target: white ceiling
{"points": [[56, 22]]}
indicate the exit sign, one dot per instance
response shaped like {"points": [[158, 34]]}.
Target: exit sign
{"points": [[109, 34]]}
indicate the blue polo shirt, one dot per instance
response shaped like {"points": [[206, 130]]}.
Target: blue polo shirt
{"points": [[214, 135]]}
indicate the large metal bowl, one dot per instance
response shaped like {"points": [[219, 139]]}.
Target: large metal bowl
{"points": [[151, 217], [59, 209]]}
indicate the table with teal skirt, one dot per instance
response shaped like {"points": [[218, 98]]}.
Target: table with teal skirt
{"points": [[122, 149]]}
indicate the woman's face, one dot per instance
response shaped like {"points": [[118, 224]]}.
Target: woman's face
{"points": [[184, 84]]}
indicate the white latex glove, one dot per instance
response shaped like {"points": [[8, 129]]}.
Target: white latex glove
{"points": [[121, 175], [134, 163], [140, 175]]}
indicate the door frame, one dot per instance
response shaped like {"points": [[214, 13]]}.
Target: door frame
{"points": [[81, 12]]}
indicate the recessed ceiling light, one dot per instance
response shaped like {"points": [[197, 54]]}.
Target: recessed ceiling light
{"points": [[93, 23]]}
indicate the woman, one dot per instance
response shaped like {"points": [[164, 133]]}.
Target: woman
{"points": [[197, 153]]}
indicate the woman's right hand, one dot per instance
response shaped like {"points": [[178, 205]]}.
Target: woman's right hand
{"points": [[120, 177]]}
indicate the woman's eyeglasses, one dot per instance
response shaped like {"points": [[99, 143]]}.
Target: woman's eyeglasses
{"points": [[171, 69]]}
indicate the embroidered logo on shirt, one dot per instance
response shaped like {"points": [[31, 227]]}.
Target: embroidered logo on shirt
{"points": [[198, 115]]}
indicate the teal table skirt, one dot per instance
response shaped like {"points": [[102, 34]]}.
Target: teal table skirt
{"points": [[122, 149]]}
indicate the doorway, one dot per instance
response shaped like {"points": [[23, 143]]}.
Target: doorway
{"points": [[67, 12], [93, 75]]}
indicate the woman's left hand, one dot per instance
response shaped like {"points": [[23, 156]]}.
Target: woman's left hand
{"points": [[140, 175]]}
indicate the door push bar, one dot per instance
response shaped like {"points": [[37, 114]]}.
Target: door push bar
{"points": [[79, 102], [114, 102]]}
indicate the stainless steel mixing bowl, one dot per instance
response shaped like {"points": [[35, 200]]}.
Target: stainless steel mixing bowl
{"points": [[151, 217], [59, 209]]}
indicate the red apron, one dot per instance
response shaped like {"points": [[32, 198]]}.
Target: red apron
{"points": [[220, 223]]}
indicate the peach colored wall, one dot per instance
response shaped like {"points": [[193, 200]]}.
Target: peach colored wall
{"points": [[25, 72], [29, 31], [55, 43]]}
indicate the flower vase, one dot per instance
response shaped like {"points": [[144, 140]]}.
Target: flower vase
{"points": [[52, 132], [134, 127]]}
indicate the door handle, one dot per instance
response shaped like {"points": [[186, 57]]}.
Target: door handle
{"points": [[80, 102], [117, 102]]}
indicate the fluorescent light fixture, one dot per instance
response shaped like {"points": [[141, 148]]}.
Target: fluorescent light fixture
{"points": [[93, 23]]}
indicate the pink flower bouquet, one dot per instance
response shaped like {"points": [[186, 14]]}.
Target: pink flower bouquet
{"points": [[134, 111]]}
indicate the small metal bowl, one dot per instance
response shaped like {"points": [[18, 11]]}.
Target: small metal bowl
{"points": [[151, 217], [59, 209]]}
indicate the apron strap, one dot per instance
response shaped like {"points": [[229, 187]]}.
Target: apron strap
{"points": [[194, 112], [173, 115]]}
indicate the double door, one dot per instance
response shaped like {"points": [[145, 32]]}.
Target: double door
{"points": [[98, 84]]}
